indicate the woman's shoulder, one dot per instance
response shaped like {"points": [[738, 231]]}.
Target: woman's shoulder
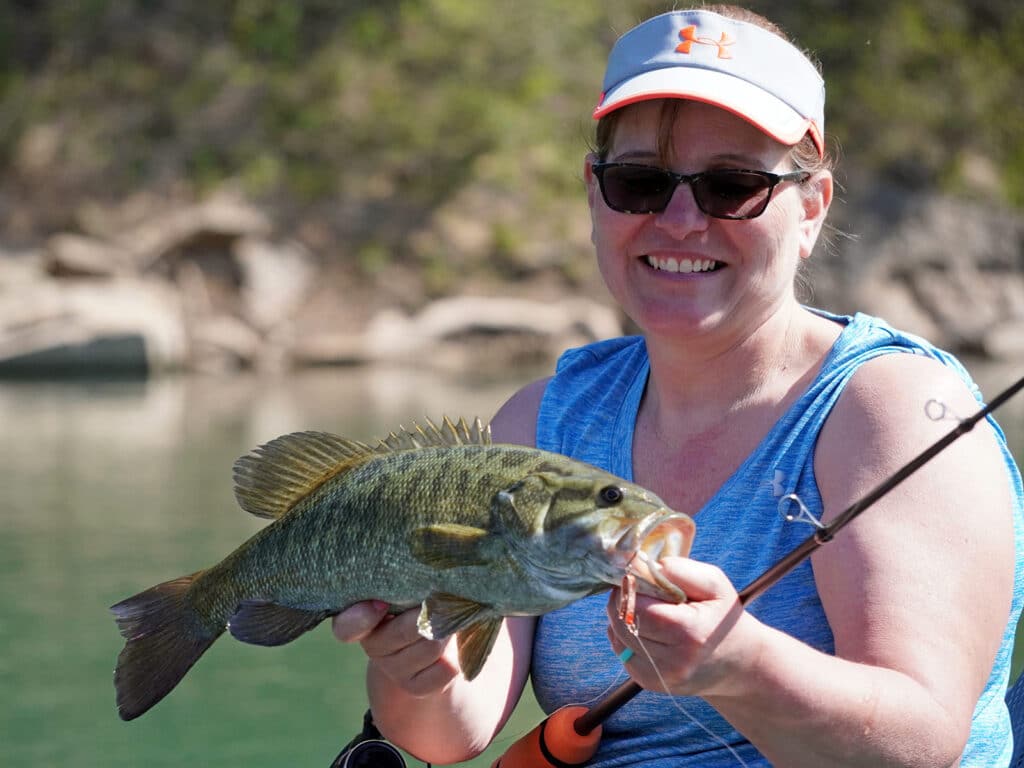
{"points": [[907, 388], [893, 408], [516, 420], [596, 372]]}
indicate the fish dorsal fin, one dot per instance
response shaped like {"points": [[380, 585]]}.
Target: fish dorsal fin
{"points": [[449, 433], [276, 476]]}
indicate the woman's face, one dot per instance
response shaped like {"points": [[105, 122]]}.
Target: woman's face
{"points": [[753, 262]]}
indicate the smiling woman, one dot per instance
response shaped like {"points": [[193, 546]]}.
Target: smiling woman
{"points": [[644, 214], [708, 186]]}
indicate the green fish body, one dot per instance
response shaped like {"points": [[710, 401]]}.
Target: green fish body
{"points": [[437, 517]]}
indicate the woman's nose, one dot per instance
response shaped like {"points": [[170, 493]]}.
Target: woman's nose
{"points": [[682, 214]]}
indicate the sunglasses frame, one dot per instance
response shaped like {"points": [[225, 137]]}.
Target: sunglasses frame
{"points": [[771, 179]]}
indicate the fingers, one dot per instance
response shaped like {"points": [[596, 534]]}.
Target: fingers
{"points": [[395, 647], [708, 592], [682, 641], [358, 620], [700, 581]]}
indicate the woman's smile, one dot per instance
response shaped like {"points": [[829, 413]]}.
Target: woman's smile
{"points": [[683, 265]]}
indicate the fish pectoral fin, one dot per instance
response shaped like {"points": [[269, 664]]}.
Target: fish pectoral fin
{"points": [[475, 644], [442, 615], [262, 623], [448, 545]]}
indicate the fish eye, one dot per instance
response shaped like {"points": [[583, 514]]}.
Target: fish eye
{"points": [[609, 496]]}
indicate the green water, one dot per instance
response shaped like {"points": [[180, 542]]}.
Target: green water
{"points": [[111, 487]]}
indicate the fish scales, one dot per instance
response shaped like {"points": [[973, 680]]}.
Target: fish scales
{"points": [[436, 516]]}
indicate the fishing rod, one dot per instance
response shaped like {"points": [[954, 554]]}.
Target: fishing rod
{"points": [[568, 738]]}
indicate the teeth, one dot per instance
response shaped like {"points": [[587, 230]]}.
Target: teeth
{"points": [[672, 264]]}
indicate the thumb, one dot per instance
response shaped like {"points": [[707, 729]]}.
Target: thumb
{"points": [[700, 581]]}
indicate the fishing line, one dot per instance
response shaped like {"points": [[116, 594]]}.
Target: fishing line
{"points": [[675, 702], [823, 534], [627, 610], [585, 724], [608, 688]]}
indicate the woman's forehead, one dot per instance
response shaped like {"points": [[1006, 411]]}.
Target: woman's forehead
{"points": [[676, 129]]}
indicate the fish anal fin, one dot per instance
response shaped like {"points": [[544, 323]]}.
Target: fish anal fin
{"points": [[475, 644], [449, 545], [262, 623], [164, 637]]}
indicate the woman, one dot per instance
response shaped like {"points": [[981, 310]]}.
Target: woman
{"points": [[708, 186]]}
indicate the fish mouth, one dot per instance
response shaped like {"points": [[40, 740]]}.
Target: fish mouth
{"points": [[641, 545]]}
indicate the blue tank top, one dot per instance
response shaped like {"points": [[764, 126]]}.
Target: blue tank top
{"points": [[588, 411]]}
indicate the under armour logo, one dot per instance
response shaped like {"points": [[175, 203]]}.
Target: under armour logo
{"points": [[776, 483], [689, 36]]}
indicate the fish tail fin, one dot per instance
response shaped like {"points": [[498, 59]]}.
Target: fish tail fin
{"points": [[164, 638]]}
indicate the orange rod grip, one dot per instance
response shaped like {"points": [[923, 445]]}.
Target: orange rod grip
{"points": [[553, 744]]}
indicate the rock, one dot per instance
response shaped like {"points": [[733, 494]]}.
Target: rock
{"points": [[70, 255], [895, 301], [948, 269], [329, 348], [224, 217], [86, 327], [223, 343], [20, 268], [1005, 340], [276, 279], [438, 335]]}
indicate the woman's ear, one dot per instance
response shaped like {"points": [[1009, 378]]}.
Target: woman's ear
{"points": [[593, 192], [816, 198], [589, 178]]}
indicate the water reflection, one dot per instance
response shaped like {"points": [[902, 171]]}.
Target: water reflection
{"points": [[109, 487]]}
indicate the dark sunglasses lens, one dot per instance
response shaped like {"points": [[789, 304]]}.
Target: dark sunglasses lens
{"points": [[635, 189], [732, 194], [371, 754]]}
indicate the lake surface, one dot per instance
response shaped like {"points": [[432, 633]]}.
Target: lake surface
{"points": [[111, 487]]}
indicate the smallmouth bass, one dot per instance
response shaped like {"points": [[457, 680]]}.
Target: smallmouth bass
{"points": [[435, 516]]}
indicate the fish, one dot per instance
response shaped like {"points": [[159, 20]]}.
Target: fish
{"points": [[435, 516]]}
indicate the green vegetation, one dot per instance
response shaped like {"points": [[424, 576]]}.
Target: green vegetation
{"points": [[376, 112]]}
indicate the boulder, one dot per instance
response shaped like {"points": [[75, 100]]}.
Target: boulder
{"points": [[947, 269], [87, 327], [467, 332]]}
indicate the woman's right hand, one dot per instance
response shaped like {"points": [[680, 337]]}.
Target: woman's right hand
{"points": [[396, 649]]}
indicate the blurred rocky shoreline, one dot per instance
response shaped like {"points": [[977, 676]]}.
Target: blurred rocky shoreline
{"points": [[211, 287]]}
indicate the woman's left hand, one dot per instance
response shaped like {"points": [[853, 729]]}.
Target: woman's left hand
{"points": [[697, 647]]}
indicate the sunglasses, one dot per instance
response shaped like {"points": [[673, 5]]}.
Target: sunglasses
{"points": [[723, 193]]}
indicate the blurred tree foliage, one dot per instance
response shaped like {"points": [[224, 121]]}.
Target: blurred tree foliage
{"points": [[383, 109]]}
